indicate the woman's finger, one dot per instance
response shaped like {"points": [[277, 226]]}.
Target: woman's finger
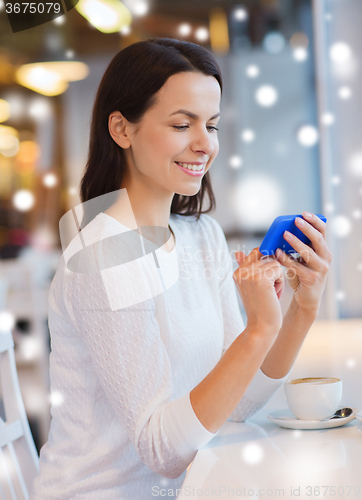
{"points": [[307, 253], [272, 271], [316, 237], [253, 256], [240, 257], [290, 263], [280, 291], [316, 222], [279, 286]]}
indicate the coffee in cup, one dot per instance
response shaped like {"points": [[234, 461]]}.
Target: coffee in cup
{"points": [[313, 398]]}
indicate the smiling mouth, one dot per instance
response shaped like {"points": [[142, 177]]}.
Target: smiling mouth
{"points": [[192, 167]]}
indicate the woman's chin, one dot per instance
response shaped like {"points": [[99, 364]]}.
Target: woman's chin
{"points": [[188, 190]]}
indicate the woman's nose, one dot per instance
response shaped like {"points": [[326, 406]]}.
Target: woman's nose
{"points": [[204, 142]]}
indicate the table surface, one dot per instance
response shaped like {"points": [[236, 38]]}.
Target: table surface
{"points": [[258, 459]]}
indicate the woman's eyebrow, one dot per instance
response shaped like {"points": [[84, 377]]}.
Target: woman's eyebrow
{"points": [[191, 115]]}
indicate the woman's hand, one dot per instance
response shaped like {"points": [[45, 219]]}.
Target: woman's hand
{"points": [[260, 283], [307, 275]]}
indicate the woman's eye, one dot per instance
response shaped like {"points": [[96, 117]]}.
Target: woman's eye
{"points": [[183, 127]]}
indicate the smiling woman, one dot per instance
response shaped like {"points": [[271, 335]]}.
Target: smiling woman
{"points": [[144, 86], [166, 153], [150, 357]]}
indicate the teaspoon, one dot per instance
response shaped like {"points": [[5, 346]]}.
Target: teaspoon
{"points": [[342, 412]]}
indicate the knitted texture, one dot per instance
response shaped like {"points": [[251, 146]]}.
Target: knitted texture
{"points": [[122, 421]]}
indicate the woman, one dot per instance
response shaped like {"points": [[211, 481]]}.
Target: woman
{"points": [[146, 380]]}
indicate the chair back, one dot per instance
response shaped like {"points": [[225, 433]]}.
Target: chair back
{"points": [[4, 286], [19, 461]]}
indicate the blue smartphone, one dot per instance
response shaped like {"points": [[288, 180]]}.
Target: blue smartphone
{"points": [[274, 237]]}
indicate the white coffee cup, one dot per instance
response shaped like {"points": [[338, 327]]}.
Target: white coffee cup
{"points": [[313, 398]]}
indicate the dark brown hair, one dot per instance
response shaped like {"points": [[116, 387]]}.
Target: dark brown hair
{"points": [[129, 85]]}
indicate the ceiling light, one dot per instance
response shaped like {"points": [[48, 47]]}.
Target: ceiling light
{"points": [[300, 54], [50, 180], [42, 80], [344, 92], [327, 118], [235, 161], [51, 78], [140, 8], [5, 130], [9, 145], [125, 30], [40, 109], [202, 34], [108, 16], [17, 105], [59, 20], [341, 226], [137, 7], [340, 52], [307, 135], [240, 14], [266, 96], [252, 71], [23, 200], [248, 135], [70, 71], [184, 29]]}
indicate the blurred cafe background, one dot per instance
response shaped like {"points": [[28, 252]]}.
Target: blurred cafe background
{"points": [[290, 140]]}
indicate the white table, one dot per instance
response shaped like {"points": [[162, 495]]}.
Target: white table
{"points": [[258, 459]]}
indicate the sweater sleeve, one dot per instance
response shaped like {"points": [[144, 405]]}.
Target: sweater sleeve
{"points": [[133, 367], [261, 388]]}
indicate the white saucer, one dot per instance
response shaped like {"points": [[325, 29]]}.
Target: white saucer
{"points": [[359, 415], [285, 418]]}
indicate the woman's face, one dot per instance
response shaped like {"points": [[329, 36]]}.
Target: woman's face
{"points": [[167, 137]]}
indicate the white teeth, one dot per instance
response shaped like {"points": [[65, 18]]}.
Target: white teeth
{"points": [[198, 168]]}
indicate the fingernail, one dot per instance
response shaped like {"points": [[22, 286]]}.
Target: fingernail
{"points": [[300, 221], [288, 235], [307, 215]]}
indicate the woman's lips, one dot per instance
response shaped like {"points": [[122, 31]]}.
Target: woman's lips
{"points": [[192, 172]]}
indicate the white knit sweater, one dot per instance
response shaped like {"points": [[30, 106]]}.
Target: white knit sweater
{"points": [[122, 421]]}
